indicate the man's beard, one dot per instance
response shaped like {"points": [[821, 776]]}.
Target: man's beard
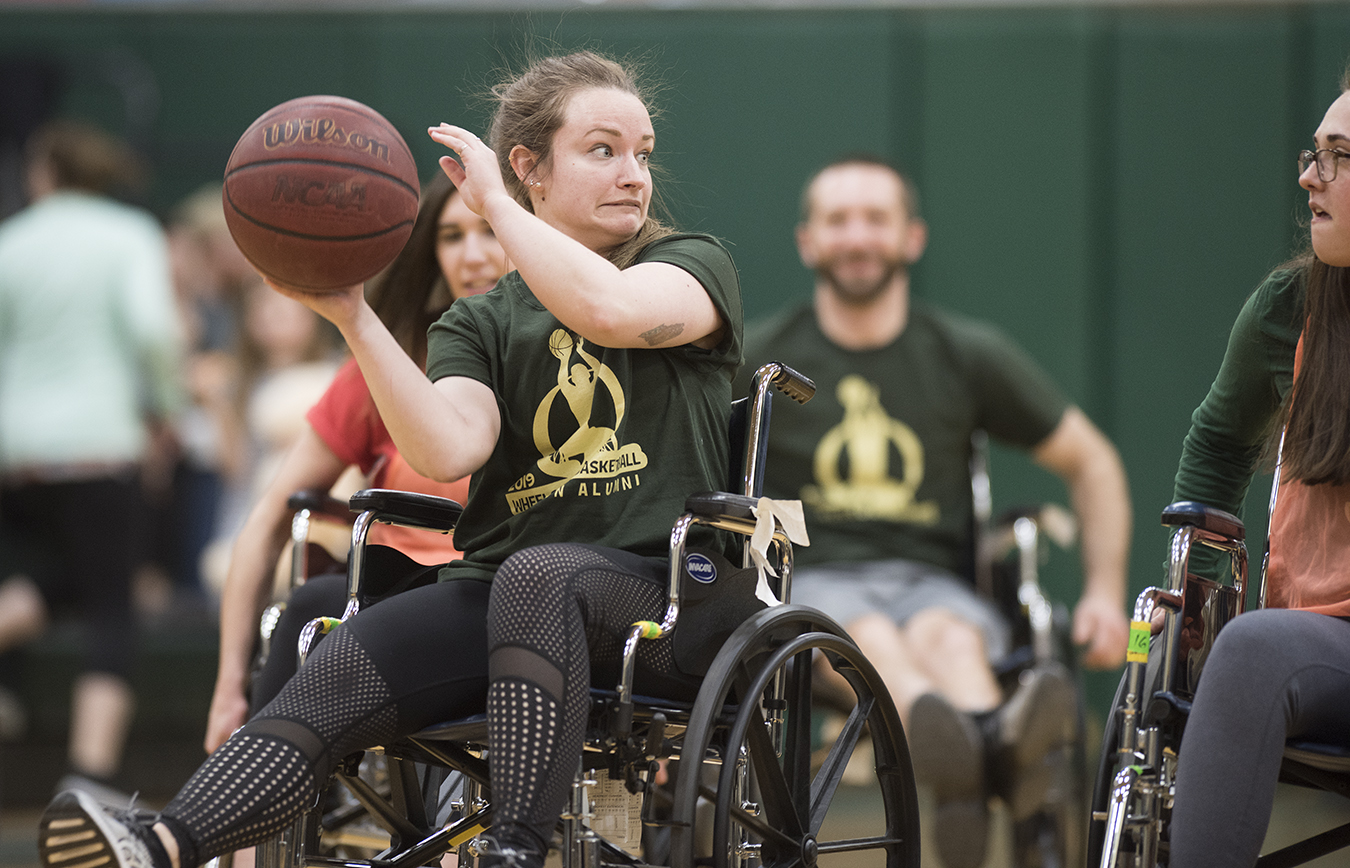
{"points": [[860, 292]]}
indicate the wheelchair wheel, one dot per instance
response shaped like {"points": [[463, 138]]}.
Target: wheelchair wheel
{"points": [[1101, 785], [752, 724]]}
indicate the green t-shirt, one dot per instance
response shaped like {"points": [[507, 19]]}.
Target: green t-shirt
{"points": [[1230, 427], [597, 445], [880, 457]]}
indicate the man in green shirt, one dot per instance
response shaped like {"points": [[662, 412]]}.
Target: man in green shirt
{"points": [[880, 460]]}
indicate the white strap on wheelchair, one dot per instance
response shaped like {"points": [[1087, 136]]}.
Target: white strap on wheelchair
{"points": [[771, 514]]}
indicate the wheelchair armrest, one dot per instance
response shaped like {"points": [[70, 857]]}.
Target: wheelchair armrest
{"points": [[711, 504], [1207, 518], [408, 508], [319, 502]]}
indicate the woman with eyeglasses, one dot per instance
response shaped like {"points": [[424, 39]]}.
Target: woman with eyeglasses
{"points": [[1282, 671]]}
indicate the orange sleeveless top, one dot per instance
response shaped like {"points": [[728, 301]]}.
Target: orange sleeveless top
{"points": [[1309, 564]]}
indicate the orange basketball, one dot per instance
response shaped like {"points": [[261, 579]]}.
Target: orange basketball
{"points": [[321, 193]]}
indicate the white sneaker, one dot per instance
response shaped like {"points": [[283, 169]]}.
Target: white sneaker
{"points": [[78, 832]]}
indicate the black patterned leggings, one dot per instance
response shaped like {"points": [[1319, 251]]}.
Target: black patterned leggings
{"points": [[556, 625], [556, 621]]}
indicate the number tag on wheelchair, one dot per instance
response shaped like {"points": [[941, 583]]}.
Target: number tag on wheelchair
{"points": [[1140, 631], [616, 814]]}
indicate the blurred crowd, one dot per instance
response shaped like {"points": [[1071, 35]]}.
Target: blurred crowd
{"points": [[254, 362], [149, 384]]}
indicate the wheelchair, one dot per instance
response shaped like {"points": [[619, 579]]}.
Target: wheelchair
{"points": [[1009, 553], [1136, 777], [743, 790]]}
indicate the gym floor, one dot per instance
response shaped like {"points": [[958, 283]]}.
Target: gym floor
{"points": [[1299, 813]]}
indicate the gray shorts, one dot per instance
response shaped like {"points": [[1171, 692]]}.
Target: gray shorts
{"points": [[899, 589]]}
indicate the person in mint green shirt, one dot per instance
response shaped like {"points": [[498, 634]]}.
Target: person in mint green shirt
{"points": [[880, 459], [90, 350]]}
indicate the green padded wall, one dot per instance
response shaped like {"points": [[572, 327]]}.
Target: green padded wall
{"points": [[1108, 183]]}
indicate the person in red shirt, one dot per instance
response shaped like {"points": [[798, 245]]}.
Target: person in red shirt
{"points": [[452, 253]]}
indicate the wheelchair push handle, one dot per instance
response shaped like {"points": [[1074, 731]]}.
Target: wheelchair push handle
{"points": [[796, 386]]}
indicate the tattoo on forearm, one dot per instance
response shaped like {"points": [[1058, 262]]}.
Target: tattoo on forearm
{"points": [[661, 333]]}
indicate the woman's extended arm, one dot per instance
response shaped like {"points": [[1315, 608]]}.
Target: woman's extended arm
{"points": [[445, 430], [248, 584]]}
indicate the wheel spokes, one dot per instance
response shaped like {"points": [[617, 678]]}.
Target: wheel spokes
{"points": [[832, 771], [775, 792]]}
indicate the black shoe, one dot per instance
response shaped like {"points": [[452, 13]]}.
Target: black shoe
{"points": [[1035, 722], [78, 832], [948, 754]]}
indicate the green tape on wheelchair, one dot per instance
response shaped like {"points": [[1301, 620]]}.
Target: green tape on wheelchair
{"points": [[1140, 631], [650, 629], [329, 625]]}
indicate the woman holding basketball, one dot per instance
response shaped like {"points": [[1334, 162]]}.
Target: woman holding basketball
{"points": [[450, 255], [588, 395]]}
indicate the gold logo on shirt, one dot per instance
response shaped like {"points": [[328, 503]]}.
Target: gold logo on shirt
{"points": [[864, 488], [590, 451]]}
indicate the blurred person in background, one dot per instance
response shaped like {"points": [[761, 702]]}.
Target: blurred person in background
{"points": [[209, 274], [90, 349], [881, 462], [284, 357]]}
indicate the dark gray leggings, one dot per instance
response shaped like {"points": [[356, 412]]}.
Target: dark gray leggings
{"points": [[1274, 674]]}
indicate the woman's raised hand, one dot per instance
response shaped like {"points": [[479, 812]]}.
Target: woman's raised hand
{"points": [[476, 174]]}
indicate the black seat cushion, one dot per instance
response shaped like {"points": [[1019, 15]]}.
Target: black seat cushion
{"points": [[716, 597]]}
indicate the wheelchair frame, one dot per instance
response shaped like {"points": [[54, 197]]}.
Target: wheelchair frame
{"points": [[1136, 778], [750, 725]]}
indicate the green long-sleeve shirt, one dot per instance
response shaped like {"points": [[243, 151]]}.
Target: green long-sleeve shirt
{"points": [[1231, 426]]}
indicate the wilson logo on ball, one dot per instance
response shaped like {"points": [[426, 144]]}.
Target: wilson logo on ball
{"points": [[320, 193], [315, 194], [321, 131]]}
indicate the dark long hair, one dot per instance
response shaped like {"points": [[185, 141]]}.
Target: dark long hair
{"points": [[412, 293], [1317, 414], [531, 108]]}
